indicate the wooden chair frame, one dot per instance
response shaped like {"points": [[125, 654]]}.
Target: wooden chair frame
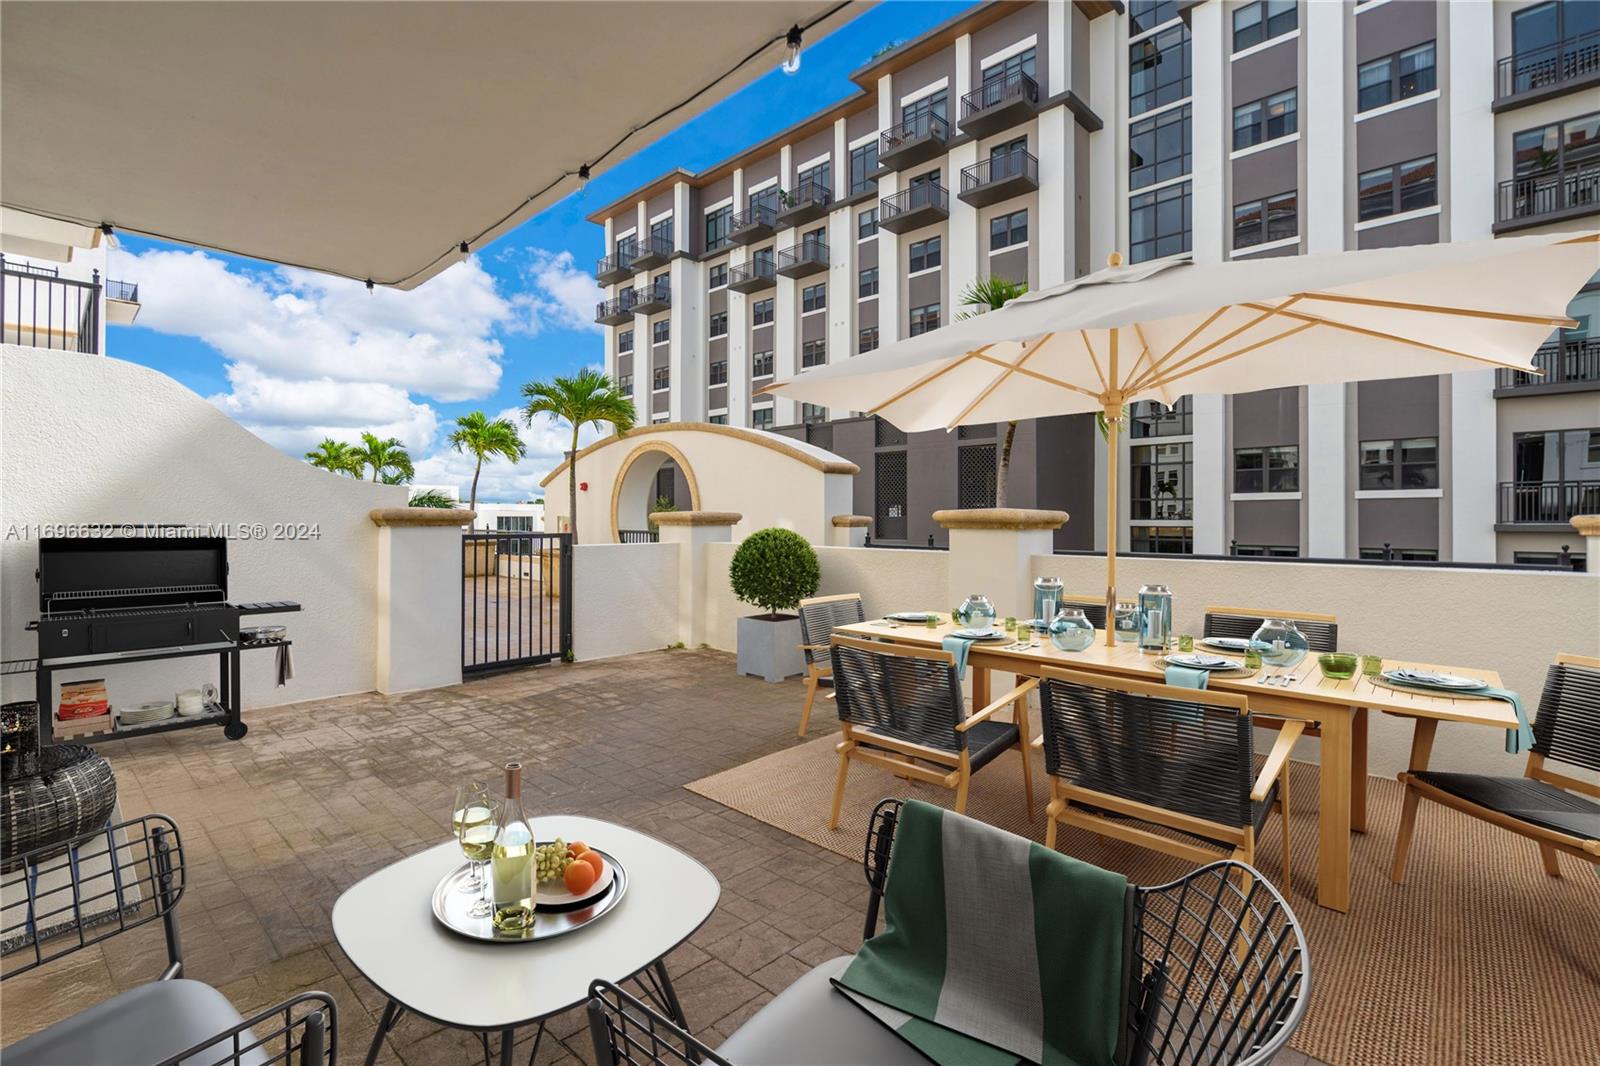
{"points": [[1550, 842], [1239, 842], [907, 759], [816, 671]]}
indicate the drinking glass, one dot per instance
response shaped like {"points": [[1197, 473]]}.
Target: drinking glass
{"points": [[1372, 665], [1011, 624], [1185, 642], [932, 621], [1252, 659], [473, 820]]}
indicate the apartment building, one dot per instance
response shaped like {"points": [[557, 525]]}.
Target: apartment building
{"points": [[54, 292], [1030, 140]]}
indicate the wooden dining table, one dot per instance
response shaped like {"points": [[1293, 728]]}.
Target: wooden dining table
{"points": [[1338, 708]]}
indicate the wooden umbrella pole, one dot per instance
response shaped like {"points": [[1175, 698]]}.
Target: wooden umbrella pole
{"points": [[1113, 414]]}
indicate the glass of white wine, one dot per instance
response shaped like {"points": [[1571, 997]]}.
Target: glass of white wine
{"points": [[473, 820]]}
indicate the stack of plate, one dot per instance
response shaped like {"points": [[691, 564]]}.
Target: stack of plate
{"points": [[1234, 644], [1196, 660], [145, 713], [1433, 679]]}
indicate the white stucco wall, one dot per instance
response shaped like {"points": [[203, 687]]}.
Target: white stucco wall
{"points": [[84, 438], [624, 599]]}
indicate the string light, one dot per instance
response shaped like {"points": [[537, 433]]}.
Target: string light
{"points": [[583, 177], [464, 249], [791, 53]]}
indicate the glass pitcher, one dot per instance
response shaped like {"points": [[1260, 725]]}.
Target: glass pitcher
{"points": [[976, 612], [1070, 630], [1284, 644]]}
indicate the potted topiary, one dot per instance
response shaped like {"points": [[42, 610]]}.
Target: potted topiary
{"points": [[773, 569]]}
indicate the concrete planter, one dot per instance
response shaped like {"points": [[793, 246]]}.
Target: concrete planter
{"points": [[769, 648]]}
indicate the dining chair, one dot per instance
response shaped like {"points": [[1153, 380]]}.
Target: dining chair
{"points": [[818, 617], [1321, 630], [1093, 608], [1554, 810], [901, 709], [1121, 752]]}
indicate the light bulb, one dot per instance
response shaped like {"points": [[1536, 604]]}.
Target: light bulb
{"points": [[583, 177], [791, 53]]}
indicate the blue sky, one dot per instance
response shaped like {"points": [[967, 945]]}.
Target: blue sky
{"points": [[296, 356]]}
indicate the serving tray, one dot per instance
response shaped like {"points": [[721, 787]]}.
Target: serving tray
{"points": [[451, 907]]}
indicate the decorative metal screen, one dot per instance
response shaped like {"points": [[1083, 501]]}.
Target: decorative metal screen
{"points": [[984, 432], [975, 475], [889, 488], [888, 434], [821, 435]]}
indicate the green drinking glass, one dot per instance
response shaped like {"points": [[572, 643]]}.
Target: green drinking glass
{"points": [[1371, 665], [1185, 642], [1252, 659]]}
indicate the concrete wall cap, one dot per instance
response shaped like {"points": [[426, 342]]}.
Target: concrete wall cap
{"points": [[851, 521], [1000, 518], [697, 518], [421, 516], [833, 464], [1587, 524]]}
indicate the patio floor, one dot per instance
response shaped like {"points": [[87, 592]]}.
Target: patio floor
{"points": [[323, 793]]}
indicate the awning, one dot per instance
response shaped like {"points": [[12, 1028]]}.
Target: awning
{"points": [[362, 139]]}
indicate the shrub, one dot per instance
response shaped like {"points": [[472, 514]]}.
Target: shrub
{"points": [[774, 569], [431, 498]]}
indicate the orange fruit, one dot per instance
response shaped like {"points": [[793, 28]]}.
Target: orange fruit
{"points": [[579, 877], [576, 848], [593, 860]]}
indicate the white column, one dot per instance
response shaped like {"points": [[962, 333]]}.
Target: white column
{"points": [[610, 332], [842, 264], [419, 564], [738, 327], [1209, 450], [890, 326], [1058, 38], [686, 347], [1469, 205], [964, 260], [786, 310], [1108, 44], [1055, 228], [691, 531]]}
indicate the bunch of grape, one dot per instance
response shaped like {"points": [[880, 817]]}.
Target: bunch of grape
{"points": [[552, 860]]}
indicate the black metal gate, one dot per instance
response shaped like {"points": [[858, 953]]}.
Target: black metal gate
{"points": [[516, 599]]}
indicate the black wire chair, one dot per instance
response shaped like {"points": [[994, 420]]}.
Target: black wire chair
{"points": [[67, 896], [819, 616], [1220, 974]]}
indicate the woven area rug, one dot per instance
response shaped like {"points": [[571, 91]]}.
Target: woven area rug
{"points": [[1479, 958]]}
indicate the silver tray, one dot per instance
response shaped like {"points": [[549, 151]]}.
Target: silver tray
{"points": [[451, 906]]}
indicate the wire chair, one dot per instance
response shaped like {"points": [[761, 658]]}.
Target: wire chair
{"points": [[1321, 630], [819, 617]]}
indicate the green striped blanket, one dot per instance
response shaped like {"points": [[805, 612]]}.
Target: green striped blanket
{"points": [[994, 949]]}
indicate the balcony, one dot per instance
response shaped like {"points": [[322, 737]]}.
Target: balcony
{"points": [[807, 202], [1000, 177], [617, 312], [618, 266], [652, 252], [916, 207], [1546, 503], [803, 259], [913, 142], [999, 104], [755, 276], [122, 302], [1548, 196], [1556, 69], [1569, 366], [756, 224], [653, 299], [41, 309]]}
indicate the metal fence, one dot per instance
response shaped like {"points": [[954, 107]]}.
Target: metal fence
{"points": [[639, 536], [41, 309], [516, 602], [1547, 502]]}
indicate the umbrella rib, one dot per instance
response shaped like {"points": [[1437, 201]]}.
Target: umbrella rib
{"points": [[1095, 362], [915, 385], [1266, 313], [1290, 332], [1554, 322], [1192, 334], [1046, 378], [1138, 331], [1010, 368], [1381, 335]]}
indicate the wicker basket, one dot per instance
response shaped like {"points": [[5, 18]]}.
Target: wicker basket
{"points": [[74, 792]]}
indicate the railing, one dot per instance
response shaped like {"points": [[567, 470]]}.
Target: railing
{"points": [[764, 213], [1542, 68], [122, 290], [1547, 502], [624, 301], [927, 194], [41, 309], [930, 546], [658, 247], [804, 252], [1563, 362], [926, 124], [639, 536], [1550, 191], [621, 259], [996, 91], [999, 168], [807, 194], [761, 269], [655, 292], [1391, 558]]}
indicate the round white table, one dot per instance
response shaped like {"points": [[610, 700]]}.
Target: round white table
{"points": [[385, 925]]}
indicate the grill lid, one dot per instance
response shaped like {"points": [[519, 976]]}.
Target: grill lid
{"points": [[115, 573]]}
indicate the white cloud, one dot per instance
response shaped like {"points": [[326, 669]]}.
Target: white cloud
{"points": [[295, 415], [545, 445], [560, 295]]}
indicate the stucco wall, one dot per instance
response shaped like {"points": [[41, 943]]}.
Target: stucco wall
{"points": [[84, 438], [624, 598]]}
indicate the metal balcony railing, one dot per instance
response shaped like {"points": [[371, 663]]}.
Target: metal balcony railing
{"points": [[41, 309], [997, 91], [1563, 362], [802, 253], [622, 304], [1550, 191], [929, 194], [925, 124], [1547, 67], [621, 259], [808, 194], [653, 251], [999, 168], [1547, 502], [122, 290], [763, 213], [761, 269]]}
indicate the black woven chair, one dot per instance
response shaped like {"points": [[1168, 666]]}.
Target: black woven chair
{"points": [[1556, 811], [70, 895], [1217, 969], [901, 709], [818, 618], [1321, 630], [1120, 752]]}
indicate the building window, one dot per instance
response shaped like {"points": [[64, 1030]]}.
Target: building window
{"points": [[1405, 187], [764, 200], [864, 167], [1265, 120], [1149, 419], [661, 232], [1261, 221], [718, 372], [1160, 148], [924, 319], [820, 177], [661, 379], [923, 115], [718, 420], [1148, 14], [814, 297], [1404, 555], [1559, 146], [812, 413], [813, 353], [1407, 463], [717, 223], [1556, 456], [717, 278], [1549, 42], [925, 255], [625, 384], [1008, 230], [867, 339], [867, 223], [1158, 70], [1579, 562], [975, 476], [761, 365], [1159, 223], [867, 283], [1262, 21], [1161, 540], [1023, 63], [761, 312], [1275, 469], [719, 324], [761, 417], [1161, 485], [625, 341], [1396, 77], [661, 332], [1273, 551]]}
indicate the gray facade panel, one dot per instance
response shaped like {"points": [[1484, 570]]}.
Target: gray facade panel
{"points": [[1267, 418], [818, 143], [814, 327], [1402, 407], [852, 439], [754, 174], [1424, 230], [1273, 253], [1031, 19], [1397, 137], [925, 289], [867, 250], [1266, 173], [1064, 462], [660, 402], [717, 301], [1392, 27], [1012, 265], [660, 356], [717, 348], [717, 398], [860, 124], [1267, 523], [1266, 72], [942, 64], [867, 313], [1398, 523]]}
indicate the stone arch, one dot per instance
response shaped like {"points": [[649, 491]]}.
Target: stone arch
{"points": [[629, 491]]}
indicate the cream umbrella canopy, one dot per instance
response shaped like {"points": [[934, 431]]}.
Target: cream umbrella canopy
{"points": [[1159, 331]]}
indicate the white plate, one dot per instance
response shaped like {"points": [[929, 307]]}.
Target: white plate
{"points": [[555, 894], [1433, 679], [1234, 643], [1196, 661], [983, 634], [909, 616]]}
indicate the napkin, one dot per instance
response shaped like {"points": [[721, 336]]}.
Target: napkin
{"points": [[959, 646], [1187, 677]]}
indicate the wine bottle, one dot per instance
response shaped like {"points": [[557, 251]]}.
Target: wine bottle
{"points": [[511, 867]]}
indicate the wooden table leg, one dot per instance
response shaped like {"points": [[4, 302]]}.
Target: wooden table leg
{"points": [[1358, 771], [1421, 752], [1333, 847], [980, 685]]}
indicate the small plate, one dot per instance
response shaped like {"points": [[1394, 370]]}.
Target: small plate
{"points": [[1433, 679], [983, 634], [910, 616], [555, 894], [1238, 644], [1196, 661]]}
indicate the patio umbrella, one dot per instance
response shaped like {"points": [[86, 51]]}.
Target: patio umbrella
{"points": [[1158, 331]]}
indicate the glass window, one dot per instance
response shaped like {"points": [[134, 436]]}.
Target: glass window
{"points": [[1161, 540], [761, 365], [625, 384], [1150, 419], [1374, 83], [1274, 469], [1254, 23], [1419, 184], [719, 324], [661, 232], [1010, 69], [1161, 486], [819, 177], [1265, 120], [661, 332], [864, 167], [1410, 463], [1377, 464], [868, 282], [1148, 14], [1380, 195], [625, 341], [1260, 221], [1160, 148], [1395, 77], [867, 339], [761, 417], [925, 255], [813, 353], [814, 297], [718, 420], [867, 223], [761, 312], [812, 413], [717, 277], [1008, 230], [1159, 223], [924, 319], [717, 223], [1158, 70], [661, 378], [923, 116], [1008, 160], [718, 372]]}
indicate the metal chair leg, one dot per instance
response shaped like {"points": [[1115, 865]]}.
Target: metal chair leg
{"points": [[391, 1014]]}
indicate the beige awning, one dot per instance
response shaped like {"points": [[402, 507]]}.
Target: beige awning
{"points": [[363, 139]]}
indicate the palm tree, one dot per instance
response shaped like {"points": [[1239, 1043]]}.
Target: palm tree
{"points": [[991, 294], [588, 397], [335, 456], [387, 458], [476, 435]]}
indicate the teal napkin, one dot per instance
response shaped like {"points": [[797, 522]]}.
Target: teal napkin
{"points": [[958, 646], [1188, 677], [1518, 740]]}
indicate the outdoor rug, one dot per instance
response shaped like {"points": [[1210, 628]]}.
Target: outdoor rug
{"points": [[1479, 958]]}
